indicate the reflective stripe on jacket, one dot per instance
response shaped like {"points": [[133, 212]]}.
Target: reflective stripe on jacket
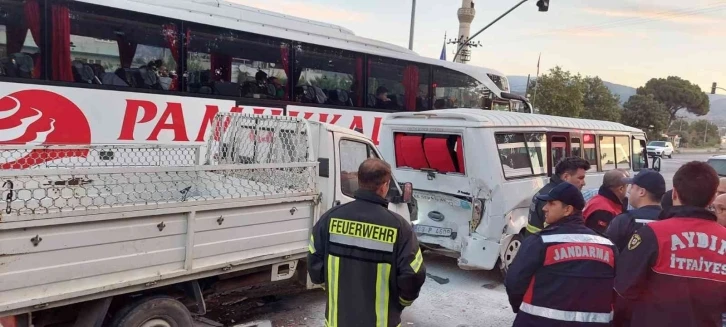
{"points": [[563, 276]]}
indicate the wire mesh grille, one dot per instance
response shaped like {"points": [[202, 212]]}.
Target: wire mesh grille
{"points": [[51, 179]]}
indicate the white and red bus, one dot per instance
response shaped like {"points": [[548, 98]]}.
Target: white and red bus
{"points": [[125, 71]]}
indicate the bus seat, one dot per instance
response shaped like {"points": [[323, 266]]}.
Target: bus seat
{"points": [[398, 148], [437, 153], [227, 88], [460, 154], [413, 152]]}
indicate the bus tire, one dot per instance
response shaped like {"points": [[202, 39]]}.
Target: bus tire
{"points": [[509, 254], [153, 311]]}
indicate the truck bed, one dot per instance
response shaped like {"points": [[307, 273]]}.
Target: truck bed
{"points": [[80, 228]]}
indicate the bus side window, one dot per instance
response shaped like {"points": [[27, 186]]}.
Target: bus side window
{"points": [[397, 85], [112, 47], [575, 147], [639, 155], [236, 64], [457, 90], [327, 76], [622, 152], [20, 55]]}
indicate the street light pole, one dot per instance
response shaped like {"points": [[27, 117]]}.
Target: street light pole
{"points": [[485, 27], [413, 18]]}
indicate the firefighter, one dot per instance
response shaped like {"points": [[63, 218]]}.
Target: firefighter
{"points": [[563, 275], [673, 270], [646, 191], [367, 256], [571, 170], [609, 201]]}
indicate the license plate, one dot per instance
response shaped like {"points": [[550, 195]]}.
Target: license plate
{"points": [[431, 230]]}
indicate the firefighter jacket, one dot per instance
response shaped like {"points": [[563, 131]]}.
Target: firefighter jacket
{"points": [[624, 225], [601, 210], [536, 217], [674, 270], [369, 260], [563, 276]]}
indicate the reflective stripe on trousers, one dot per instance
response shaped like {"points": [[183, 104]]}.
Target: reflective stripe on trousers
{"points": [[332, 283], [591, 317], [382, 294]]}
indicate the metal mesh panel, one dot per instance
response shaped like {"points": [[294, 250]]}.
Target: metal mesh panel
{"points": [[52, 179], [244, 139]]}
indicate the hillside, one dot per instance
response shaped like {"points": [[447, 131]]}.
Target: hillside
{"points": [[717, 113]]}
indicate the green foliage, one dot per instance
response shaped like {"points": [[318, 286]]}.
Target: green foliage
{"points": [[599, 102], [646, 113], [675, 94], [559, 93], [700, 129]]}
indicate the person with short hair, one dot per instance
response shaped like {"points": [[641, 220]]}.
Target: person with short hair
{"points": [[367, 256], [609, 201], [563, 275], [672, 270], [382, 100], [646, 191], [569, 169], [666, 203]]}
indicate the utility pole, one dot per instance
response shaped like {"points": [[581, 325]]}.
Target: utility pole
{"points": [[705, 133], [413, 18]]}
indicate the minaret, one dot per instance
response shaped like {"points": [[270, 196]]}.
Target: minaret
{"points": [[466, 16]]}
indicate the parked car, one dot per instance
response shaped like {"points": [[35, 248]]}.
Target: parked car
{"points": [[719, 164], [660, 149]]}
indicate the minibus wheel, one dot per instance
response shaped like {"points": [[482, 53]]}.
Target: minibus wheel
{"points": [[510, 253]]}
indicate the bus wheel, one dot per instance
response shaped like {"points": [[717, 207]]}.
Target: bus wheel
{"points": [[509, 254], [154, 311]]}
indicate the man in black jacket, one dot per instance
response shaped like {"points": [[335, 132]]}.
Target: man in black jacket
{"points": [[672, 270], [646, 191], [563, 275], [571, 170], [367, 256]]}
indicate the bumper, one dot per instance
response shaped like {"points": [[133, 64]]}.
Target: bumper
{"points": [[475, 253]]}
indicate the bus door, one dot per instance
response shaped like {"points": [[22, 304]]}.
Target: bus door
{"points": [[640, 156], [558, 146]]}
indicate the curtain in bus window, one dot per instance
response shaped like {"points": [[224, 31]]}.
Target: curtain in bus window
{"points": [[172, 42], [358, 83], [126, 50], [32, 19], [221, 67], [285, 58], [61, 43], [15, 31], [410, 85]]}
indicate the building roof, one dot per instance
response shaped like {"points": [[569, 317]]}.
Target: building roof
{"points": [[490, 118]]}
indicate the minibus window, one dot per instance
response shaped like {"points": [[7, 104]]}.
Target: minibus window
{"points": [[607, 153], [575, 147], [522, 154], [443, 153], [622, 151], [589, 149]]}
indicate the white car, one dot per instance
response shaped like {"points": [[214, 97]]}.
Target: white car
{"points": [[660, 149], [719, 164]]}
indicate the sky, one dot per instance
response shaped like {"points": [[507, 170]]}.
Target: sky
{"points": [[622, 41]]}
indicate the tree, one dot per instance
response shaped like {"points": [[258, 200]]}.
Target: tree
{"points": [[675, 94], [559, 93], [703, 133], [599, 103], [644, 112]]}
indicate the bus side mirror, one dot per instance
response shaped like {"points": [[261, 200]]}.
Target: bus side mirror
{"points": [[656, 164], [407, 192]]}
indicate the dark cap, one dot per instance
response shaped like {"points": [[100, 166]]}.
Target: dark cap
{"points": [[650, 180], [565, 193]]}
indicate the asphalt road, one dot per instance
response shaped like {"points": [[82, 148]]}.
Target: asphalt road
{"points": [[451, 297]]}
